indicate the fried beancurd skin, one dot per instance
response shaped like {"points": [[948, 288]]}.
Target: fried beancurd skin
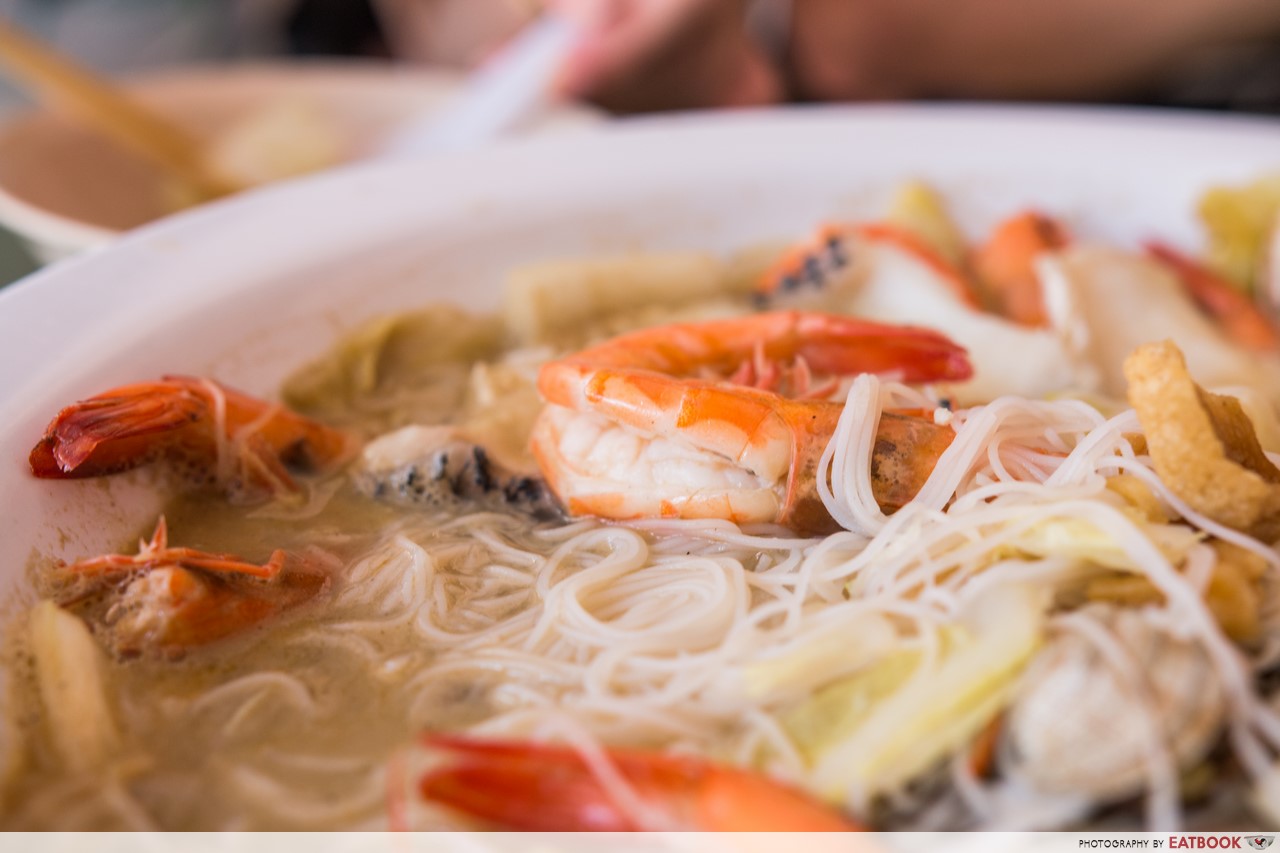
{"points": [[1201, 444]]}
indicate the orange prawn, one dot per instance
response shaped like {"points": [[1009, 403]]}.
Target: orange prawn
{"points": [[241, 443], [541, 788], [1235, 312], [171, 598], [728, 418], [1005, 265]]}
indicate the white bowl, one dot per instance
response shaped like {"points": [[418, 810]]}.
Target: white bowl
{"points": [[64, 189], [248, 288]]}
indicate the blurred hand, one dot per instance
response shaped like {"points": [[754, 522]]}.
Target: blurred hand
{"points": [[647, 54], [683, 54]]}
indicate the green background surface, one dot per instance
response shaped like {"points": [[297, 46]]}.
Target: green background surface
{"points": [[15, 261]]}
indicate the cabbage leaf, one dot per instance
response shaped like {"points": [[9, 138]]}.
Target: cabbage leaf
{"points": [[400, 349], [879, 729], [819, 657], [68, 668]]}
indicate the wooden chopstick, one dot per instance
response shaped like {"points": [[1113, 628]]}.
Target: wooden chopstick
{"points": [[103, 106]]}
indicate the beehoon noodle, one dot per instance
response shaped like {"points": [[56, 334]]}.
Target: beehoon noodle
{"points": [[634, 633], [691, 636]]}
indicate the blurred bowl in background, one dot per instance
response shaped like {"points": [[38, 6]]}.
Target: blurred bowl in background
{"points": [[64, 189]]}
